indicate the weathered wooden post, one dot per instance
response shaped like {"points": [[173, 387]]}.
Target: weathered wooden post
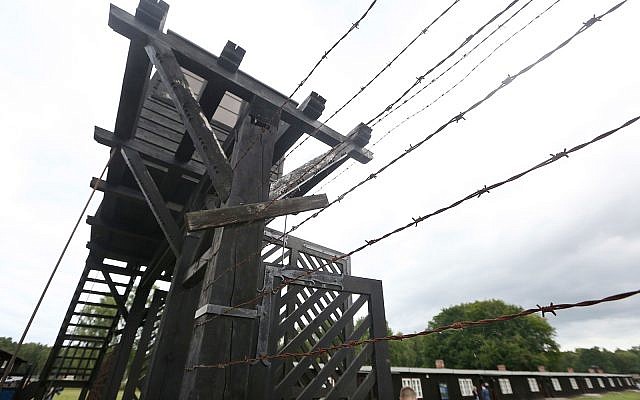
{"points": [[220, 337]]}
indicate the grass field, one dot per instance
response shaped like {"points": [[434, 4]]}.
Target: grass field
{"points": [[72, 394], [627, 395]]}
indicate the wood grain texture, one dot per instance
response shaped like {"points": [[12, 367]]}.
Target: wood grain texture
{"points": [[206, 219]]}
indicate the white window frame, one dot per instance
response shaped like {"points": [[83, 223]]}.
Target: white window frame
{"points": [[601, 383], [589, 383], [505, 386], [556, 384], [416, 385], [466, 387], [574, 384], [533, 385]]}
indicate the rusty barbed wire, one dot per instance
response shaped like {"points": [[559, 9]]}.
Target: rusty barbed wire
{"points": [[463, 57], [456, 118], [94, 189], [420, 78], [422, 32], [475, 67], [459, 325], [553, 157], [374, 144], [354, 26]]}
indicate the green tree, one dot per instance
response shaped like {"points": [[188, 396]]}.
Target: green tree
{"points": [[523, 343]]}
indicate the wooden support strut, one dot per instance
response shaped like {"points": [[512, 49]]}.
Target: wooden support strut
{"points": [[193, 118], [295, 183], [205, 64], [154, 199], [215, 218]]}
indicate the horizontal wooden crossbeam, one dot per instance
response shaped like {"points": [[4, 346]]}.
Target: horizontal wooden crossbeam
{"points": [[127, 193], [206, 65], [215, 218], [198, 127]]}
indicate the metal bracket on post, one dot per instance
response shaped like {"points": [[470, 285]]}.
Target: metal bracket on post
{"points": [[264, 324], [317, 280]]}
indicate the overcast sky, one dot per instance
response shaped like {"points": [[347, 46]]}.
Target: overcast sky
{"points": [[566, 233]]}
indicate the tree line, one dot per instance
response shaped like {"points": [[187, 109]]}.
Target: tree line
{"points": [[520, 344]]}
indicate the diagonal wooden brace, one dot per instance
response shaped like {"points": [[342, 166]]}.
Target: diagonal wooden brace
{"points": [[154, 199], [296, 182], [193, 118], [206, 219]]}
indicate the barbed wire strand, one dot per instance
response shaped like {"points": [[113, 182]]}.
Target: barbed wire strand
{"points": [[463, 57], [374, 144], [475, 67], [459, 117], [321, 159], [554, 157], [354, 26], [12, 361], [420, 78], [418, 81], [422, 32], [456, 118], [459, 325]]}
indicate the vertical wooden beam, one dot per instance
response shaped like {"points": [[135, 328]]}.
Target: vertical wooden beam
{"points": [[121, 355], [145, 337], [227, 337], [154, 199], [193, 118], [164, 375], [381, 362], [138, 69]]}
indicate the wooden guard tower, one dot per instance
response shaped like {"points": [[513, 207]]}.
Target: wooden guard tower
{"points": [[199, 134]]}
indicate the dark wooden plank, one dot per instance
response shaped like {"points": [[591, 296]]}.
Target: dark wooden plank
{"points": [[121, 354], [287, 185], [148, 151], [127, 193], [138, 68], [162, 120], [145, 239], [172, 344], [157, 140], [209, 101], [158, 129], [213, 342], [312, 106], [205, 64], [194, 120], [135, 369], [166, 110], [207, 219], [154, 199], [380, 362]]}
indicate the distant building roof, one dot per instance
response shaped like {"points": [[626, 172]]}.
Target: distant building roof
{"points": [[451, 371], [5, 355]]}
